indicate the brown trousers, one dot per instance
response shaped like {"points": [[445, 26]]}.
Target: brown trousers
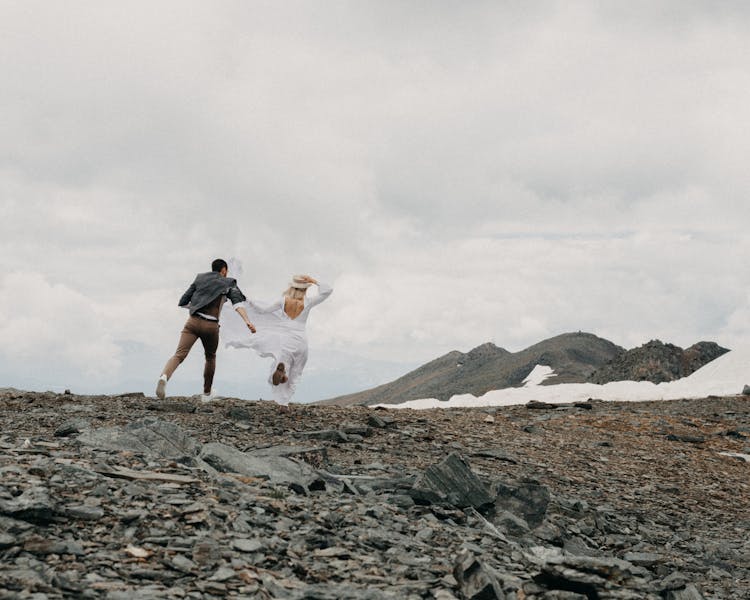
{"points": [[208, 333]]}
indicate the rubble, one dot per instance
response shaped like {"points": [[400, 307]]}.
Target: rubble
{"points": [[124, 497]]}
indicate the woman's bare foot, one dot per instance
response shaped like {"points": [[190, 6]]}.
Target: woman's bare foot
{"points": [[279, 375]]}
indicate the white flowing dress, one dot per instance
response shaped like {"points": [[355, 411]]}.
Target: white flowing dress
{"points": [[277, 336]]}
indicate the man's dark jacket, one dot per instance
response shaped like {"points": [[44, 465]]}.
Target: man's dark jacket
{"points": [[206, 288]]}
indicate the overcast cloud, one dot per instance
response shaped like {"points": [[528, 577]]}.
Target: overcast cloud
{"points": [[460, 172]]}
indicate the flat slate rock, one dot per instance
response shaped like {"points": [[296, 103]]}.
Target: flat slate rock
{"points": [[148, 436], [174, 407], [275, 468], [497, 454], [689, 439], [453, 480]]}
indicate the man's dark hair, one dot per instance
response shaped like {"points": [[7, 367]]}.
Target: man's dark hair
{"points": [[218, 265]]}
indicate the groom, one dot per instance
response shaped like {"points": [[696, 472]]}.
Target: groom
{"points": [[204, 299]]}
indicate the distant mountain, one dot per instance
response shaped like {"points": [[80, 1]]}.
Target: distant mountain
{"points": [[658, 362], [573, 357]]}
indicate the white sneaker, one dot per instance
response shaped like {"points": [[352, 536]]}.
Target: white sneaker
{"points": [[161, 389], [206, 398]]}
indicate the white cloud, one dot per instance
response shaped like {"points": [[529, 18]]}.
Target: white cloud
{"points": [[498, 172], [51, 326]]}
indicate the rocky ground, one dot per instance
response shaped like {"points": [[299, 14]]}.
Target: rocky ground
{"points": [[128, 497]]}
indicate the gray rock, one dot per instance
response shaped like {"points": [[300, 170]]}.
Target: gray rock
{"points": [[7, 540], [379, 422], [497, 454], [403, 501], [590, 576], [476, 580], [563, 595], [537, 405], [239, 413], [183, 564], [247, 545], [33, 505], [316, 456], [578, 547], [643, 559], [173, 407], [132, 515], [746, 390], [674, 581], [549, 532], [454, 482], [83, 512], [207, 553], [44, 547], [223, 574], [361, 430], [24, 578], [331, 435], [689, 592], [526, 499], [148, 436], [277, 469], [72, 426], [510, 523], [689, 439]]}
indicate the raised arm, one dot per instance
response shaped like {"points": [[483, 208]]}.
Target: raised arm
{"points": [[324, 290]]}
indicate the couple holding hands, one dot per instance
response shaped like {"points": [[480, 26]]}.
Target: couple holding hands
{"points": [[276, 330]]}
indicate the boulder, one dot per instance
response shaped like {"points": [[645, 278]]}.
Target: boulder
{"points": [[526, 499], [455, 483]]}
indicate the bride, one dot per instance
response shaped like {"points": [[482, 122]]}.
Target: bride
{"points": [[280, 332]]}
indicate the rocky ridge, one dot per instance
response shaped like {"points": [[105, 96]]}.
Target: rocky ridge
{"points": [[128, 497], [573, 356], [657, 362]]}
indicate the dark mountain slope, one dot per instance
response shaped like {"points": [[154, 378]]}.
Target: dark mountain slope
{"points": [[573, 356]]}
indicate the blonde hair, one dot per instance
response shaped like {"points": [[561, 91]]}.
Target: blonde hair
{"points": [[295, 293]]}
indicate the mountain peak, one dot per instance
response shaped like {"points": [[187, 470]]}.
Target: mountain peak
{"points": [[573, 356], [486, 349]]}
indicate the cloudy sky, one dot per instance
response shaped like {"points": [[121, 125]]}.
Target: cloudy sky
{"points": [[459, 172]]}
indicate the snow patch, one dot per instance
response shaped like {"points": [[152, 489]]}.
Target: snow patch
{"points": [[724, 376], [538, 374]]}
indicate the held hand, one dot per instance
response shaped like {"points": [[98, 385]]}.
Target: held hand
{"points": [[250, 326], [309, 279]]}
